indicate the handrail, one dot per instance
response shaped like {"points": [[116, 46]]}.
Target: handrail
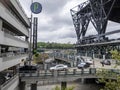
{"points": [[8, 81], [14, 57], [29, 73], [15, 38], [75, 73]]}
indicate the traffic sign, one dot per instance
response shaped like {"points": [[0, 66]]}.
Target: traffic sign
{"points": [[36, 7]]}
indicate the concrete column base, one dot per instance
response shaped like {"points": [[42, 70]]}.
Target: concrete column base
{"points": [[22, 86], [34, 86], [63, 85], [82, 80]]}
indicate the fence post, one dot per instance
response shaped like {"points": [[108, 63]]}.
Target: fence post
{"points": [[82, 71], [55, 73], [74, 71], [66, 71]]}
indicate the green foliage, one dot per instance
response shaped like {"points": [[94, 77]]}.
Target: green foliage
{"points": [[68, 88], [54, 45], [56, 88], [106, 76], [116, 56], [40, 58]]}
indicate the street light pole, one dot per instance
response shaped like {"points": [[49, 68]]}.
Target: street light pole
{"points": [[93, 56], [30, 45], [36, 9]]}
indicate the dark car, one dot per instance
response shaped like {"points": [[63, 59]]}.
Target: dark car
{"points": [[106, 62], [28, 69], [2, 78], [83, 65]]}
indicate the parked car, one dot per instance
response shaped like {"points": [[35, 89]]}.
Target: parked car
{"points": [[106, 62], [83, 65], [28, 69], [59, 67], [89, 61]]}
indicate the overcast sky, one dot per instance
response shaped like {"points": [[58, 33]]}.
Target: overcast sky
{"points": [[55, 22]]}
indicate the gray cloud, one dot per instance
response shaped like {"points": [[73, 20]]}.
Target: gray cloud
{"points": [[51, 7], [55, 21]]}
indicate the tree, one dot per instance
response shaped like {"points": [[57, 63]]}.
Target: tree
{"points": [[58, 88], [53, 45], [106, 76], [40, 58], [116, 56]]}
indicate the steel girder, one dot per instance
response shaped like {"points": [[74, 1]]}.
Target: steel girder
{"points": [[80, 21], [94, 11]]}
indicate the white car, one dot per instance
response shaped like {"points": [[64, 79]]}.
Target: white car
{"points": [[59, 67], [89, 61]]}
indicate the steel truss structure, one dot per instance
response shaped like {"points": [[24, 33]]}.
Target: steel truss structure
{"points": [[97, 12]]}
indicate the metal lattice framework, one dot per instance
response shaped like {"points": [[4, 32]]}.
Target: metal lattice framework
{"points": [[98, 12]]}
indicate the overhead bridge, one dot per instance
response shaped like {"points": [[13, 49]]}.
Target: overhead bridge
{"points": [[110, 8], [105, 43], [96, 13], [64, 58], [62, 77], [58, 76]]}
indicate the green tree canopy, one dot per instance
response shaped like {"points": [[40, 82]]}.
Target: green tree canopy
{"points": [[54, 45]]}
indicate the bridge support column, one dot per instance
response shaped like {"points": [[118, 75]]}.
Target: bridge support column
{"points": [[86, 54], [33, 86], [63, 85], [45, 66], [22, 85], [1, 24], [82, 80], [55, 73], [103, 57], [71, 64]]}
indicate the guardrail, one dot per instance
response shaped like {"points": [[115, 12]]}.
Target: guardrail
{"points": [[9, 82], [56, 73], [66, 76], [64, 56], [92, 72]]}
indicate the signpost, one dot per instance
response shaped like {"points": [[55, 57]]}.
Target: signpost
{"points": [[36, 8]]}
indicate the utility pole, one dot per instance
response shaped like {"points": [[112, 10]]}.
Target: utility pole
{"points": [[36, 8], [30, 44]]}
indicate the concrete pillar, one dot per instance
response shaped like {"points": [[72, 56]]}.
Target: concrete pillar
{"points": [[45, 66], [33, 86], [22, 86], [0, 50], [71, 64], [74, 71], [93, 55], [55, 73], [26, 38], [63, 85], [86, 54], [103, 57], [82, 80], [1, 24]]}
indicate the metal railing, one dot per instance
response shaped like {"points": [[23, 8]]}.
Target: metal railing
{"points": [[65, 56], [10, 81], [89, 73], [15, 38], [55, 73], [11, 56]]}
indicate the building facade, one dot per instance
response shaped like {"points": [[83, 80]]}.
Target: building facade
{"points": [[14, 34]]}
